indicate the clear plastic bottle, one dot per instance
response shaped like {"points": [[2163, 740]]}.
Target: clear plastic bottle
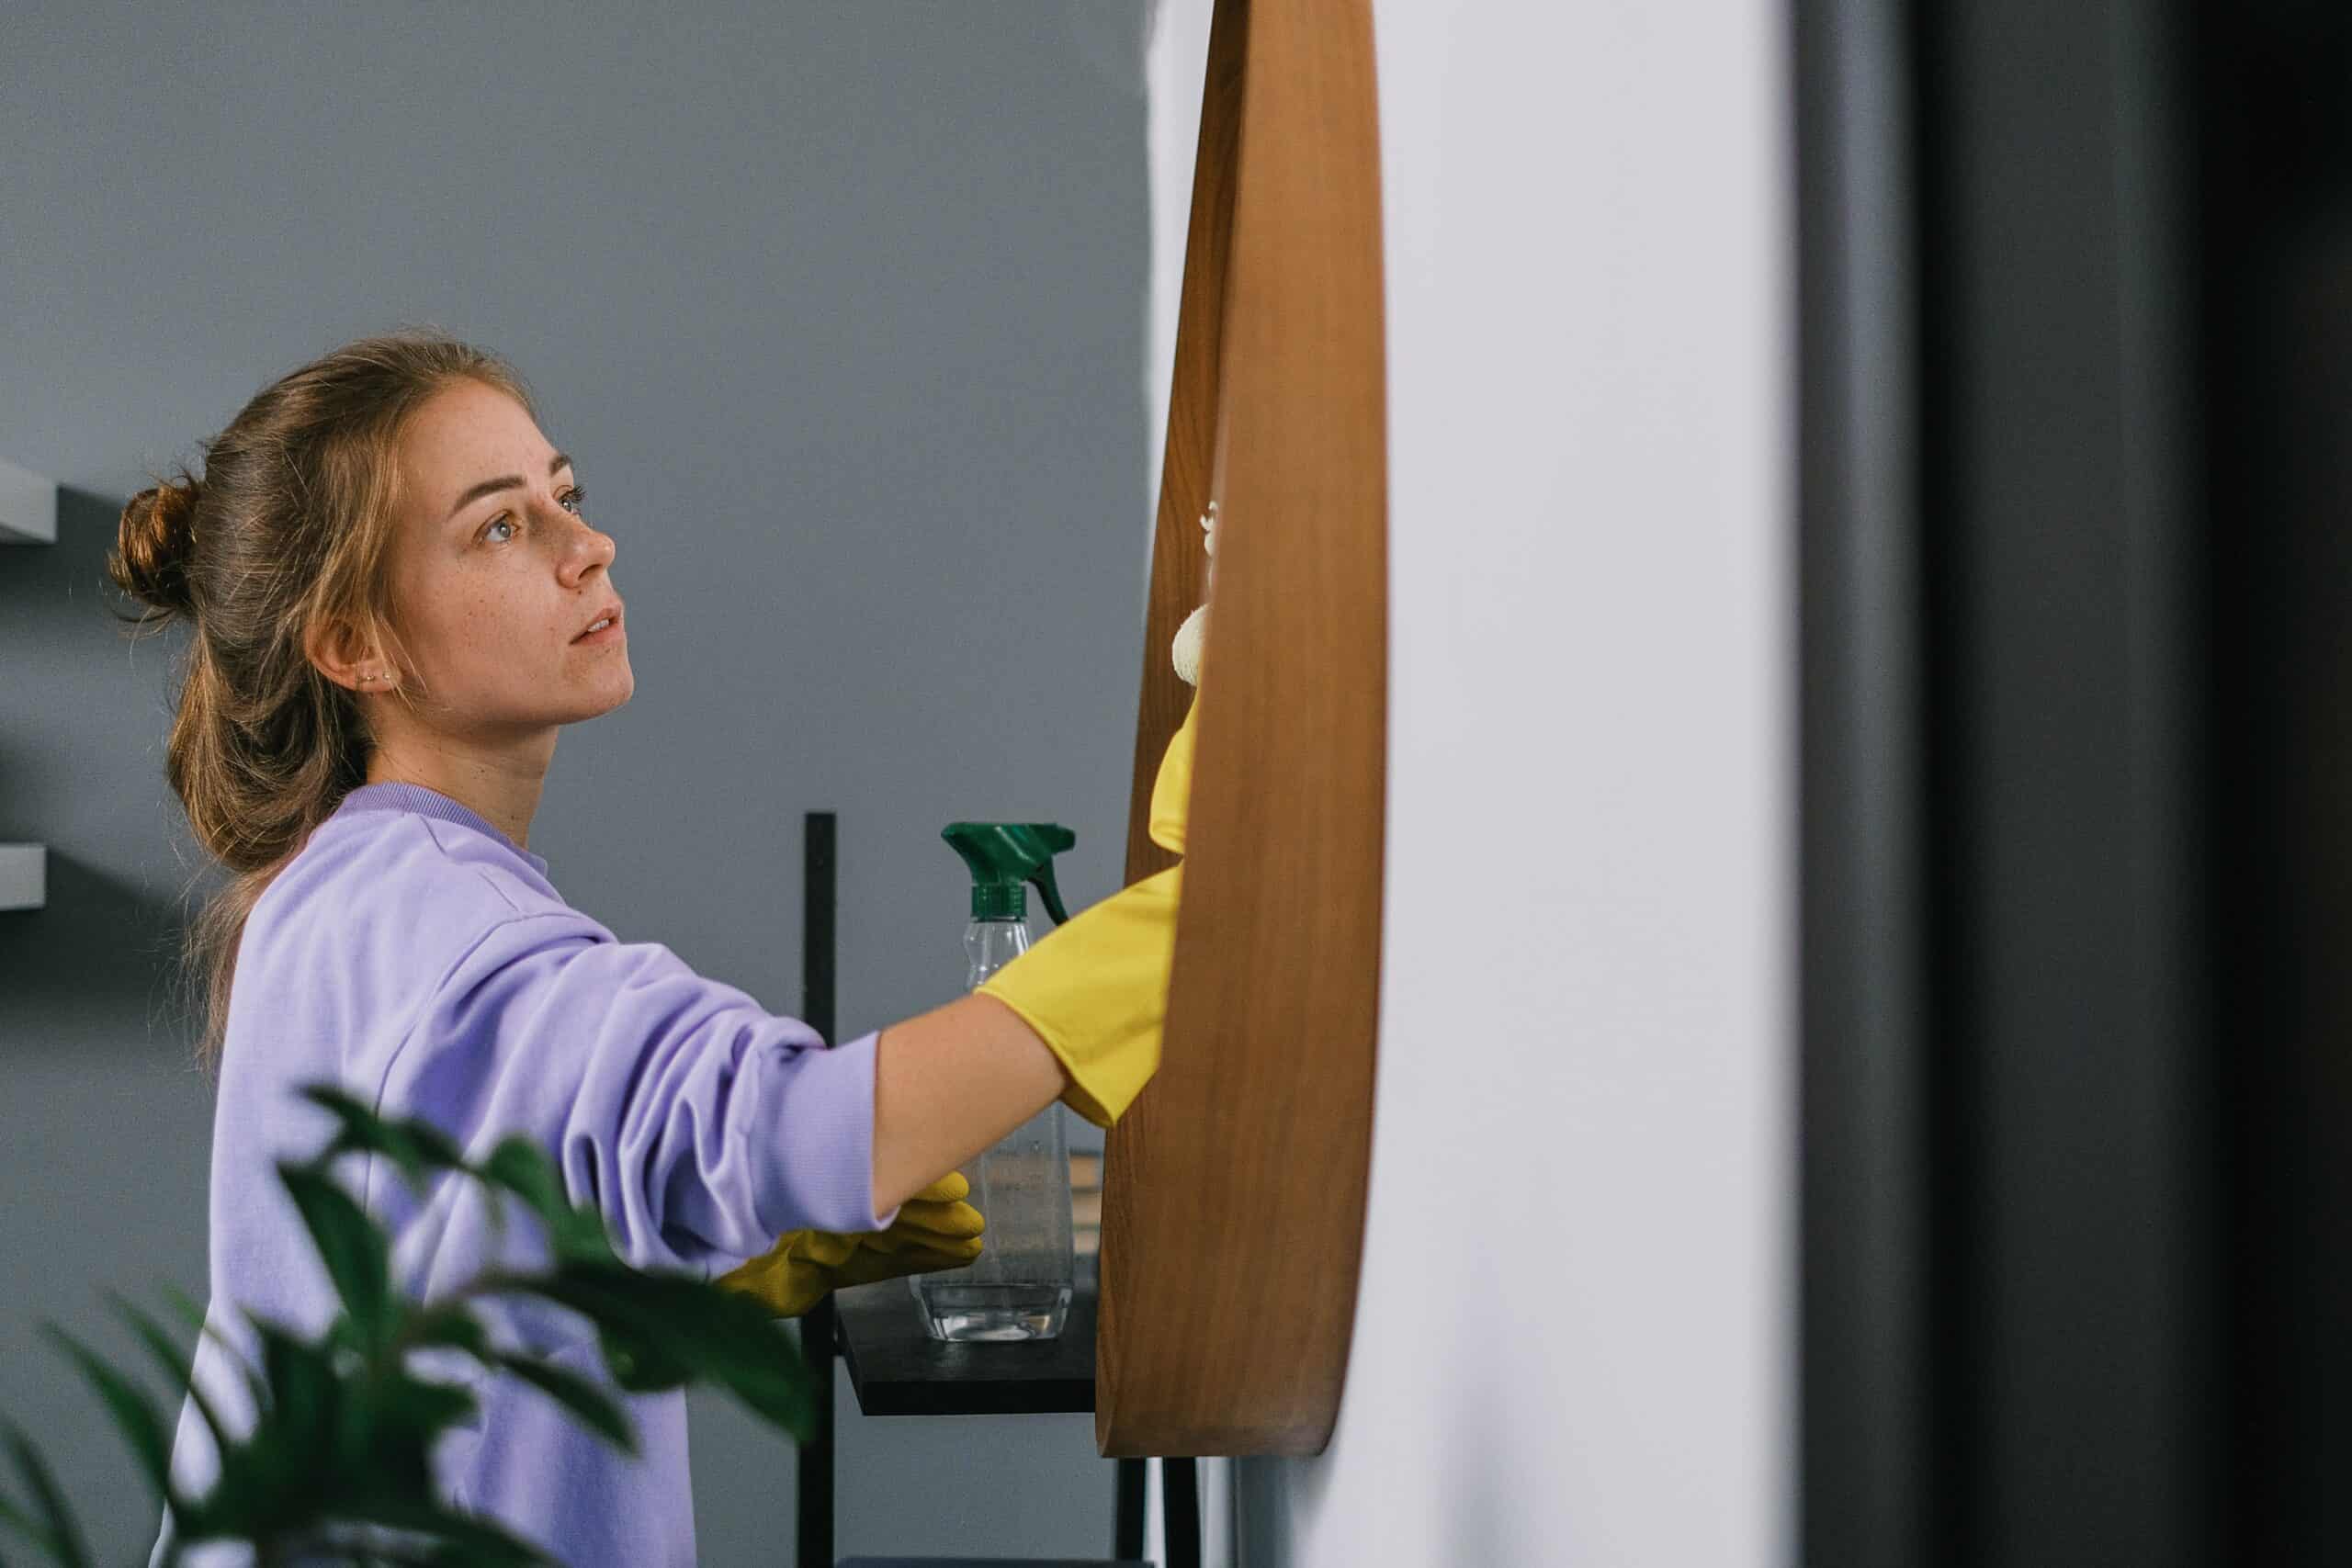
{"points": [[1019, 1288]]}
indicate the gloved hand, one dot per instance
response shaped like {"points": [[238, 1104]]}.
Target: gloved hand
{"points": [[934, 1229], [1172, 788], [1096, 989]]}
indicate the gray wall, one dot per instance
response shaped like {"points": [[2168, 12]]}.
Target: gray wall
{"points": [[840, 310]]}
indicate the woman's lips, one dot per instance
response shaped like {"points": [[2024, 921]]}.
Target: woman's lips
{"points": [[611, 633]]}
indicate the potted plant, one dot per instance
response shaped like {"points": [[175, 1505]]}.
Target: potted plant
{"points": [[336, 1462]]}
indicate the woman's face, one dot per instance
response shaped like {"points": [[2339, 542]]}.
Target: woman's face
{"points": [[492, 586]]}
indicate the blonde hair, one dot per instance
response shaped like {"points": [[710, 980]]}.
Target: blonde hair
{"points": [[290, 527]]}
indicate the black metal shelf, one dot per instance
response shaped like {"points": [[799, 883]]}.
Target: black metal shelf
{"points": [[898, 1370]]}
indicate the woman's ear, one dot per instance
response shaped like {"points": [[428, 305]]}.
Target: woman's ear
{"points": [[341, 653]]}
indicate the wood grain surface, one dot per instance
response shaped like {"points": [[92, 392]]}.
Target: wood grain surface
{"points": [[1233, 1213]]}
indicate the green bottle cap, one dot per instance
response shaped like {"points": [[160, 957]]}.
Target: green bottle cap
{"points": [[1002, 856]]}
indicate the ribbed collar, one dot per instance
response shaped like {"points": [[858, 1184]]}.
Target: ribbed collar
{"points": [[397, 795]]}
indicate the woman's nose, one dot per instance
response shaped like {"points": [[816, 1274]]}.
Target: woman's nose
{"points": [[589, 543]]}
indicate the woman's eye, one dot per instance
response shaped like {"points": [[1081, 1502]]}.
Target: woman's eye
{"points": [[577, 496]]}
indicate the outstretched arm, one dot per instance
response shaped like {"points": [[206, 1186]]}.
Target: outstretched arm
{"points": [[1076, 1018], [949, 1083]]}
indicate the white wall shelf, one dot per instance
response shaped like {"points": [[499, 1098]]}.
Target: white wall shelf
{"points": [[24, 876], [27, 507]]}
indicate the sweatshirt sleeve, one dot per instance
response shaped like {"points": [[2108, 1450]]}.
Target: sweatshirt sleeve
{"points": [[700, 1124]]}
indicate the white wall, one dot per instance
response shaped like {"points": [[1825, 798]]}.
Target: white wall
{"points": [[1575, 1338]]}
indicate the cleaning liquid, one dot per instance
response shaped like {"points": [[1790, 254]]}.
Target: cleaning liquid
{"points": [[1019, 1288]]}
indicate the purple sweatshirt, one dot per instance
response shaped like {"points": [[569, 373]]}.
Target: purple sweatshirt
{"points": [[416, 956]]}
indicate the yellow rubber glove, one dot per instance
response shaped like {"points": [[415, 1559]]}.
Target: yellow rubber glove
{"points": [[1096, 989], [1172, 788], [934, 1229]]}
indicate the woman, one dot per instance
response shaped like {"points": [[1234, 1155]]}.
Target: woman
{"points": [[398, 602]]}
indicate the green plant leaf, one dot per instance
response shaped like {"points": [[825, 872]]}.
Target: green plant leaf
{"points": [[303, 1388], [273, 1478], [200, 1321], [418, 1147], [731, 1339], [290, 1460], [667, 1321], [466, 1539], [389, 1424], [184, 1304], [446, 1323], [21, 1522], [637, 1361], [357, 1258], [59, 1533], [255, 1388], [522, 1168], [178, 1365], [596, 1408], [129, 1406], [421, 1407], [640, 1367]]}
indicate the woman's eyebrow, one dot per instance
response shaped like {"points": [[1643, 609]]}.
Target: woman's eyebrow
{"points": [[505, 481]]}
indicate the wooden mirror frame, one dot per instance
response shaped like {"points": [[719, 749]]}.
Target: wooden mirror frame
{"points": [[1235, 1186]]}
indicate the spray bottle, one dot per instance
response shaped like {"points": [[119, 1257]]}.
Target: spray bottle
{"points": [[1019, 1288]]}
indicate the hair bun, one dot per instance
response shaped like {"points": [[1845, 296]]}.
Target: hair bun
{"points": [[151, 546]]}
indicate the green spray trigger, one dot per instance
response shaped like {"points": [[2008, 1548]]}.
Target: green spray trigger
{"points": [[1003, 856]]}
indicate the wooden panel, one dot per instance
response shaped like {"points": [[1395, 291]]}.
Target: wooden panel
{"points": [[1235, 1191]]}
